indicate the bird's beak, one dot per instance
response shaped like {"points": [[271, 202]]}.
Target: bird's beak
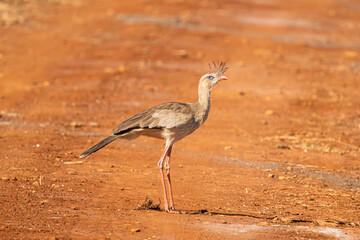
{"points": [[222, 78]]}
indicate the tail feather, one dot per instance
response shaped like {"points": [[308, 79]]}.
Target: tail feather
{"points": [[99, 145]]}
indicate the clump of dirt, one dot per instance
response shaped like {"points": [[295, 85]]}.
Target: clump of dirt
{"points": [[149, 204]]}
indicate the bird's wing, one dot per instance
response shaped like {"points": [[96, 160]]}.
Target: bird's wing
{"points": [[166, 115]]}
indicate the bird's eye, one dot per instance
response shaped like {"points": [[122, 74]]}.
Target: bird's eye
{"points": [[210, 77]]}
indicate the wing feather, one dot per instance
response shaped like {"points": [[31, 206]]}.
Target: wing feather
{"points": [[166, 115]]}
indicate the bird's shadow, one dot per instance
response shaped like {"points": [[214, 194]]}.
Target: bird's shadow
{"points": [[211, 213], [149, 205]]}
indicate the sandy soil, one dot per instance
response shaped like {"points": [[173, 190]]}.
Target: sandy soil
{"points": [[278, 157]]}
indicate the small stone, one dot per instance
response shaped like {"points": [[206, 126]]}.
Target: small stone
{"points": [[269, 112], [74, 208], [73, 162], [180, 166], [285, 220], [271, 175], [288, 168], [182, 53], [36, 183], [282, 146], [281, 178], [43, 202], [121, 68], [93, 124], [71, 172], [227, 148], [76, 124], [151, 88], [135, 230]]}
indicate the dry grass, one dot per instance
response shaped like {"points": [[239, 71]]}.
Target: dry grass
{"points": [[148, 204]]}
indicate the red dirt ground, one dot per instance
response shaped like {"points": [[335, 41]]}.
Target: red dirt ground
{"points": [[278, 157]]}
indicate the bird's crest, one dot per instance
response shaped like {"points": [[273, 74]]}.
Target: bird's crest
{"points": [[219, 69]]}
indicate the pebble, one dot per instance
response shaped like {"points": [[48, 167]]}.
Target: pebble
{"points": [[121, 68], [227, 148], [271, 175], [93, 124], [269, 112], [76, 124], [73, 162], [135, 230], [282, 146], [182, 53]]}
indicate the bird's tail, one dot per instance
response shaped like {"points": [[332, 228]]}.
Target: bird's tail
{"points": [[99, 145]]}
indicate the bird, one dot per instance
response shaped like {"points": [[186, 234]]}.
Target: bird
{"points": [[171, 121]]}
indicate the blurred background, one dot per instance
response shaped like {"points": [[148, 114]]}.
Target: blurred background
{"points": [[280, 147]]}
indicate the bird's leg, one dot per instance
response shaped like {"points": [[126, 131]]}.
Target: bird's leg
{"points": [[160, 165], [167, 168]]}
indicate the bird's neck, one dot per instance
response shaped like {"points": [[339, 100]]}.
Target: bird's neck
{"points": [[203, 104], [204, 96]]}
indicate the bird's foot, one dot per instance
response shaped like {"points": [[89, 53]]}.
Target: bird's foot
{"points": [[172, 210]]}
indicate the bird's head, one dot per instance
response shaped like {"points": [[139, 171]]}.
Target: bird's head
{"points": [[209, 80]]}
